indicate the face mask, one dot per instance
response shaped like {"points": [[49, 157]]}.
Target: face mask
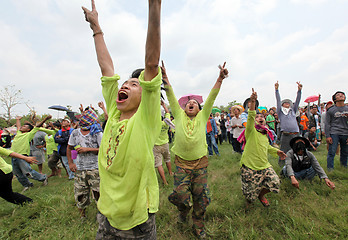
{"points": [[286, 110], [299, 146]]}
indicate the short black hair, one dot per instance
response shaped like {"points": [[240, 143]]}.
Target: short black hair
{"points": [[334, 96], [136, 73], [30, 126]]}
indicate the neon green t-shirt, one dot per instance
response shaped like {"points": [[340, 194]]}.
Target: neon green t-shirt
{"points": [[128, 181], [255, 155], [163, 137], [190, 140], [51, 145], [21, 142], [4, 166]]}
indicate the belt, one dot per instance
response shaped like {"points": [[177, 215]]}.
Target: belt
{"points": [[290, 133]]}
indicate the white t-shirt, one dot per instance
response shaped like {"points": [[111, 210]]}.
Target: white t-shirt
{"points": [[88, 160]]}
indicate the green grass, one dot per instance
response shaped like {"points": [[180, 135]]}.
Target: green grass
{"points": [[312, 212]]}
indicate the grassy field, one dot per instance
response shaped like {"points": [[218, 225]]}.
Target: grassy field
{"points": [[312, 212]]}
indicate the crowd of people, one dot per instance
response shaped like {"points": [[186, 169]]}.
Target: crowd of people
{"points": [[115, 161]]}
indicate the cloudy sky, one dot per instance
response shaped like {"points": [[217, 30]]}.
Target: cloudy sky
{"points": [[47, 48]]}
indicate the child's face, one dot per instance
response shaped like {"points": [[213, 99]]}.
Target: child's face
{"points": [[129, 96], [236, 111], [286, 105], [312, 129], [25, 128], [260, 119], [192, 108]]}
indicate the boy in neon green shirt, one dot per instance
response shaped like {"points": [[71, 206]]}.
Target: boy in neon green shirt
{"points": [[21, 145], [190, 149], [257, 175], [129, 194]]}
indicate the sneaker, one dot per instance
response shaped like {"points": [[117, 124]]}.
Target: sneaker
{"points": [[44, 183]]}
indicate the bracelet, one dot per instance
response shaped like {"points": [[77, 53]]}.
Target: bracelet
{"points": [[99, 32]]}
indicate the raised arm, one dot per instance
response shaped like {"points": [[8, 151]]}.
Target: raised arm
{"points": [[18, 122], [208, 105], [153, 40], [279, 104], [39, 124], [102, 106], [103, 56], [298, 97]]}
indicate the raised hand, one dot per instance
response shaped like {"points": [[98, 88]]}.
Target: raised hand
{"points": [[299, 86], [81, 108], [253, 96], [223, 71], [276, 85], [92, 18]]}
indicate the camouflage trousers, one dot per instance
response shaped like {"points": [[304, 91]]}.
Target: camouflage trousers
{"points": [[85, 182], [146, 230], [189, 182], [253, 181]]}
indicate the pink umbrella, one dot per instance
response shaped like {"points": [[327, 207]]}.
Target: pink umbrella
{"points": [[184, 99], [312, 99]]}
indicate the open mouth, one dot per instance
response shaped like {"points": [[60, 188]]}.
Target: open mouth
{"points": [[190, 107], [122, 96]]}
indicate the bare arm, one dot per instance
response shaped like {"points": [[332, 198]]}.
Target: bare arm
{"points": [[39, 124], [164, 107], [18, 122], [153, 40], [25, 158], [102, 106], [103, 56]]}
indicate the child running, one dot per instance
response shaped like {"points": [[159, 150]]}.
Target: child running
{"points": [[190, 149], [129, 194], [257, 175]]}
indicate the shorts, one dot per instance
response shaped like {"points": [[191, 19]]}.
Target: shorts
{"points": [[146, 230], [85, 182], [40, 155], [253, 181], [54, 160], [159, 151]]}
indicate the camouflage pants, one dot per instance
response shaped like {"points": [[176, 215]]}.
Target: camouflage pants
{"points": [[189, 182], [253, 181], [85, 182], [146, 230]]}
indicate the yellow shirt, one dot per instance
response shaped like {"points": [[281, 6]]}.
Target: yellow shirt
{"points": [[128, 181]]}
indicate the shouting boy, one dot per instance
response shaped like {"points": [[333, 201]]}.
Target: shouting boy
{"points": [[129, 194]]}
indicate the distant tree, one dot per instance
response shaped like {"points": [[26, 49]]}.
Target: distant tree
{"points": [[9, 98]]}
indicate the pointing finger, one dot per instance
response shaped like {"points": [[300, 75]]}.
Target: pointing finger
{"points": [[93, 5], [223, 66]]}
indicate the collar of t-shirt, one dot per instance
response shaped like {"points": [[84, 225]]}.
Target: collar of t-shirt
{"points": [[63, 129]]}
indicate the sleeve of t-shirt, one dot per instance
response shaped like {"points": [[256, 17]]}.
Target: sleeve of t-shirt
{"points": [[5, 152], [208, 105], [272, 150], [32, 133], [288, 164], [174, 104], [297, 102], [110, 91], [279, 105], [316, 166], [72, 138], [150, 105]]}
